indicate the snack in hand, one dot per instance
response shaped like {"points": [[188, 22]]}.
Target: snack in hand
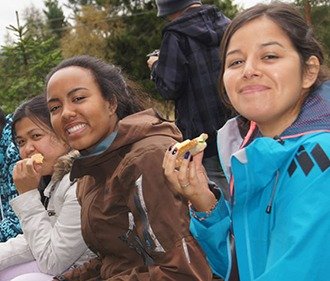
{"points": [[37, 158], [194, 146]]}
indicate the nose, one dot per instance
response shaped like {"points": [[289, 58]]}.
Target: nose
{"points": [[68, 112], [250, 69], [28, 149]]}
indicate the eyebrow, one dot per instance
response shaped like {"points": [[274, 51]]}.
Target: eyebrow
{"points": [[30, 132], [261, 46], [70, 93], [272, 43]]}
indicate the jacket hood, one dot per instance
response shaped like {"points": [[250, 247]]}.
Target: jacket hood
{"points": [[315, 113], [63, 165], [61, 168], [130, 130], [204, 24], [314, 116]]}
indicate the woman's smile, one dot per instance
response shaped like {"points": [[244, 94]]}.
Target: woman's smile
{"points": [[252, 89]]}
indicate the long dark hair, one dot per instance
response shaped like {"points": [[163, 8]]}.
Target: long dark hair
{"points": [[288, 18], [110, 80]]}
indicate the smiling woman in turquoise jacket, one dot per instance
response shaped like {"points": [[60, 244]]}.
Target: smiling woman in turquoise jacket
{"points": [[275, 154]]}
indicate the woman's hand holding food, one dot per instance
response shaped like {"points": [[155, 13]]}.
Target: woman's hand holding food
{"points": [[27, 173], [187, 174]]}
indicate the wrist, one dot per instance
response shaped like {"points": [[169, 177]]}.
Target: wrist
{"points": [[203, 215], [204, 202]]}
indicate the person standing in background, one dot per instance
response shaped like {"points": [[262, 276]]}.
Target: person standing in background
{"points": [[187, 71], [9, 155]]}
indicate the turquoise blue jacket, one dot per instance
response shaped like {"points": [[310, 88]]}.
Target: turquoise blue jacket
{"points": [[9, 155], [280, 210]]}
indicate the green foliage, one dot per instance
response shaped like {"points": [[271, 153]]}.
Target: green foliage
{"points": [[142, 34], [55, 18], [23, 67], [89, 34], [313, 2], [226, 6], [120, 31], [320, 20], [75, 5]]}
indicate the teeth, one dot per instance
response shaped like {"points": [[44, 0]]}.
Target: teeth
{"points": [[76, 128]]}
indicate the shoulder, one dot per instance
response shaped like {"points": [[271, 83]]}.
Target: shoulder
{"points": [[147, 153], [311, 158], [315, 142], [150, 146], [64, 188]]}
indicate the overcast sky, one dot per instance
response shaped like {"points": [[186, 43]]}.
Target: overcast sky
{"points": [[8, 8]]}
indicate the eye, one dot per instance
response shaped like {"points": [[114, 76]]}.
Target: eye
{"points": [[37, 136], [20, 142], [270, 57], [78, 99], [234, 63], [53, 109]]}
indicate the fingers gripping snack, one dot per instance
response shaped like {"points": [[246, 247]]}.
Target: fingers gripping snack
{"points": [[194, 146], [37, 158]]}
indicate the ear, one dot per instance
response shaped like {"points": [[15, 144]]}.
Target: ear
{"points": [[112, 106], [311, 71]]}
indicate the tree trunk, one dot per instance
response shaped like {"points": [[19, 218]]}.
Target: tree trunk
{"points": [[308, 12]]}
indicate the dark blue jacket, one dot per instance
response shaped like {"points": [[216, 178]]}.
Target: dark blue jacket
{"points": [[187, 71]]}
